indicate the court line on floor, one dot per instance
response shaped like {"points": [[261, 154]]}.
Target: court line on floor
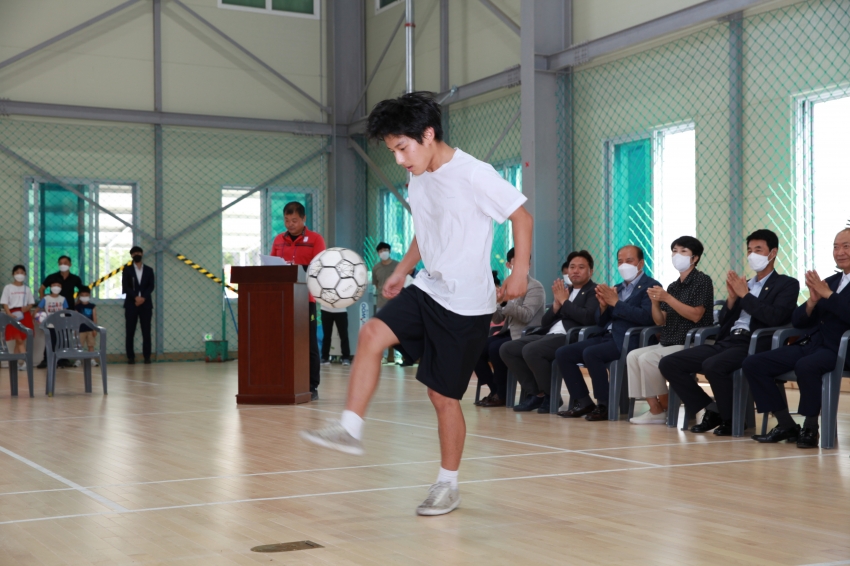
{"points": [[379, 489], [85, 491]]}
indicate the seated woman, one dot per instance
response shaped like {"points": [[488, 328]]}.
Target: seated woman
{"points": [[687, 303]]}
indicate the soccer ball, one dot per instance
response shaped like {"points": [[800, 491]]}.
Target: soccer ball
{"points": [[337, 277]]}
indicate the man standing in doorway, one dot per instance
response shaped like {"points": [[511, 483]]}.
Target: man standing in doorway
{"points": [[137, 284], [70, 284], [298, 246]]}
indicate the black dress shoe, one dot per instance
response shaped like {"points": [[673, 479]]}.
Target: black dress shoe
{"points": [[42, 365], [710, 420], [131, 362], [808, 439], [574, 412], [777, 434], [481, 401], [493, 401], [600, 413], [531, 403], [724, 429], [314, 395], [543, 409]]}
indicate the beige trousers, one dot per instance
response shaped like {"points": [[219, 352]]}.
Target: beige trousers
{"points": [[645, 380]]}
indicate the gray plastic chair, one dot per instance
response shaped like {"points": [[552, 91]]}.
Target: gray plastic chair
{"points": [[12, 358], [66, 325], [830, 389]]}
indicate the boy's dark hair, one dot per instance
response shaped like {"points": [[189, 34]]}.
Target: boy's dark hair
{"points": [[408, 115], [294, 208], [580, 253], [17, 267], [61, 257], [690, 243], [135, 249], [510, 256], [766, 235], [85, 290], [383, 246], [639, 251], [496, 280]]}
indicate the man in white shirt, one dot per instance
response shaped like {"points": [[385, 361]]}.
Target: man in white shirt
{"points": [[531, 357], [444, 317]]}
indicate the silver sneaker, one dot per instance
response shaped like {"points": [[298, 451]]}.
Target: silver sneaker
{"points": [[333, 436], [441, 499]]}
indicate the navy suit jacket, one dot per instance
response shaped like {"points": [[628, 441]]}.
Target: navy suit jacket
{"points": [[830, 317], [773, 307], [580, 312], [131, 288], [634, 311]]}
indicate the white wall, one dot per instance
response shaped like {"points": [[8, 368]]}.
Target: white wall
{"points": [[110, 64]]}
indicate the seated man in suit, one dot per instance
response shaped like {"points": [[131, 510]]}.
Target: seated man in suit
{"points": [[514, 315], [531, 357], [766, 300], [620, 308], [825, 317]]}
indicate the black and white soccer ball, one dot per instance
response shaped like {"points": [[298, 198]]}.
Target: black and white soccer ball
{"points": [[337, 277]]}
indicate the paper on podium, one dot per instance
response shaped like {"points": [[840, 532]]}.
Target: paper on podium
{"points": [[272, 260]]}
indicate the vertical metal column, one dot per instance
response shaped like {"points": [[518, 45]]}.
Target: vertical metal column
{"points": [[409, 26], [736, 141], [159, 300], [566, 230], [444, 61]]}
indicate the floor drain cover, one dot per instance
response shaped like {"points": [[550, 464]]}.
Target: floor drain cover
{"points": [[287, 546]]}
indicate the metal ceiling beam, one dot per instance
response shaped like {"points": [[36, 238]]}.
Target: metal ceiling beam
{"points": [[506, 19], [157, 55], [256, 59], [8, 107], [507, 78], [65, 34], [653, 29]]}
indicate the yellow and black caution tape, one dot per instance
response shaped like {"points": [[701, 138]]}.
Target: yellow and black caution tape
{"points": [[203, 271], [112, 273]]}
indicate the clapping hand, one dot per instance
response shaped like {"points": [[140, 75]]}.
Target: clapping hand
{"points": [[607, 296], [561, 293], [657, 294], [818, 288], [736, 285]]}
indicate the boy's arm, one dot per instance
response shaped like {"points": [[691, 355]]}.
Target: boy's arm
{"points": [[94, 315], [395, 282], [516, 284]]}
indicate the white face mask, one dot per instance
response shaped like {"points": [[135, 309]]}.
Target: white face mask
{"points": [[758, 262], [56, 289], [20, 277], [85, 300], [681, 262], [63, 268], [384, 256], [627, 271]]}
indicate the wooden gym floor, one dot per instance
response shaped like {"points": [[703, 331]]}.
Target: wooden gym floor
{"points": [[166, 469]]}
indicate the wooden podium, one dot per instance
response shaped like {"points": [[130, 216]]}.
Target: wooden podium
{"points": [[274, 335]]}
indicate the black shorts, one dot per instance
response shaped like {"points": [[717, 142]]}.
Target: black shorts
{"points": [[446, 344]]}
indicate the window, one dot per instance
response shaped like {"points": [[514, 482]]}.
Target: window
{"points": [[61, 223], [381, 5], [248, 228], [824, 203], [296, 8], [646, 176]]}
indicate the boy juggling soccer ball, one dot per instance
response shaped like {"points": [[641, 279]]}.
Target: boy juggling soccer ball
{"points": [[443, 318]]}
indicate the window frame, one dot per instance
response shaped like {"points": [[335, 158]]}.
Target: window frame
{"points": [[31, 248], [391, 5], [316, 15]]}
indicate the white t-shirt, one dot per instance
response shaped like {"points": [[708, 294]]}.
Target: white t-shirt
{"points": [[15, 296], [453, 212], [558, 327]]}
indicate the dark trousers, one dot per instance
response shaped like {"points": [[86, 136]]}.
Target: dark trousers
{"points": [[530, 358], [143, 316], [315, 360], [341, 321], [595, 353], [497, 378], [717, 362], [809, 362]]}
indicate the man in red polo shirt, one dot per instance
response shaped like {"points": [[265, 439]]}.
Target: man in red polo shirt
{"points": [[299, 246]]}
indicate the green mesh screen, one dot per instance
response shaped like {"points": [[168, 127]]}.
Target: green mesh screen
{"points": [[714, 135]]}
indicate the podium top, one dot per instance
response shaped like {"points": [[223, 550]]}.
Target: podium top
{"points": [[268, 274]]}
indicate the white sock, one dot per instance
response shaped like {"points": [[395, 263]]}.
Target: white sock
{"points": [[352, 423], [447, 476]]}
